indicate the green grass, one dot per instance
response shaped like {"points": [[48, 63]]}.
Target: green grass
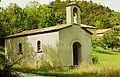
{"points": [[108, 66], [108, 58]]}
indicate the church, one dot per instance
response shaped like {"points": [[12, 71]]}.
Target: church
{"points": [[61, 45]]}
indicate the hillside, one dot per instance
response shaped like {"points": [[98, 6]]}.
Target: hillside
{"points": [[105, 49], [15, 19], [98, 15], [91, 14]]}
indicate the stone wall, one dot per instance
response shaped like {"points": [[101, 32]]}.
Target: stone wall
{"points": [[30, 57], [67, 37]]}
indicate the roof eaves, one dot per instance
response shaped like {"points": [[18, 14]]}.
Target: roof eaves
{"points": [[39, 32], [87, 31], [86, 26], [72, 3]]}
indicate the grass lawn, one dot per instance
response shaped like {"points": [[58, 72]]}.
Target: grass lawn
{"points": [[112, 59], [108, 66]]}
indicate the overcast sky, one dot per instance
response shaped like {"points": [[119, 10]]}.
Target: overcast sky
{"points": [[112, 4]]}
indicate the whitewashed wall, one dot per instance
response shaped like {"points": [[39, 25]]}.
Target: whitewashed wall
{"points": [[67, 37]]}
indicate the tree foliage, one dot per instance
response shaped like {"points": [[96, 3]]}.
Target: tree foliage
{"points": [[15, 19], [97, 41], [6, 66], [111, 38]]}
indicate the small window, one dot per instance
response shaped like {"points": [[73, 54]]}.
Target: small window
{"points": [[39, 47], [20, 48]]}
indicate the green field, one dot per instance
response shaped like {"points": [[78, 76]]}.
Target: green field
{"points": [[110, 59], [107, 66]]}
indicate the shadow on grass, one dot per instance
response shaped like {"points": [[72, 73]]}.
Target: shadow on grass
{"points": [[73, 75], [59, 73], [106, 52]]}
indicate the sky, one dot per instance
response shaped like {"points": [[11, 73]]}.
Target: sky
{"points": [[112, 4]]}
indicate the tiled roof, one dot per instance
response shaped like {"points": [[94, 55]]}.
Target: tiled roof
{"points": [[86, 26], [42, 30], [101, 31], [45, 30]]}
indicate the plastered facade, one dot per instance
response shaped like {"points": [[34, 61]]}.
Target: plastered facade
{"points": [[56, 46]]}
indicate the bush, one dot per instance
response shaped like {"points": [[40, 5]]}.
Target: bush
{"points": [[94, 59], [102, 51], [97, 42], [111, 40], [6, 66]]}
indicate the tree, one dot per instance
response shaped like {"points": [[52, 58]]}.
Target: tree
{"points": [[6, 65], [15, 19], [111, 38], [11, 20]]}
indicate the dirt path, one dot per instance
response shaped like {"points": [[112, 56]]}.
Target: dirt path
{"points": [[31, 75]]}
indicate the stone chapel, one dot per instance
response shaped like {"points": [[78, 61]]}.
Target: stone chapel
{"points": [[61, 45]]}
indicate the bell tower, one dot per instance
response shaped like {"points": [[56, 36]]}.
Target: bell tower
{"points": [[73, 13]]}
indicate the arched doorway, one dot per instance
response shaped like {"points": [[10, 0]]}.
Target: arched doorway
{"points": [[76, 53]]}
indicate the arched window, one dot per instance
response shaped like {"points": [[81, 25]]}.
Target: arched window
{"points": [[75, 15], [20, 48], [39, 47]]}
